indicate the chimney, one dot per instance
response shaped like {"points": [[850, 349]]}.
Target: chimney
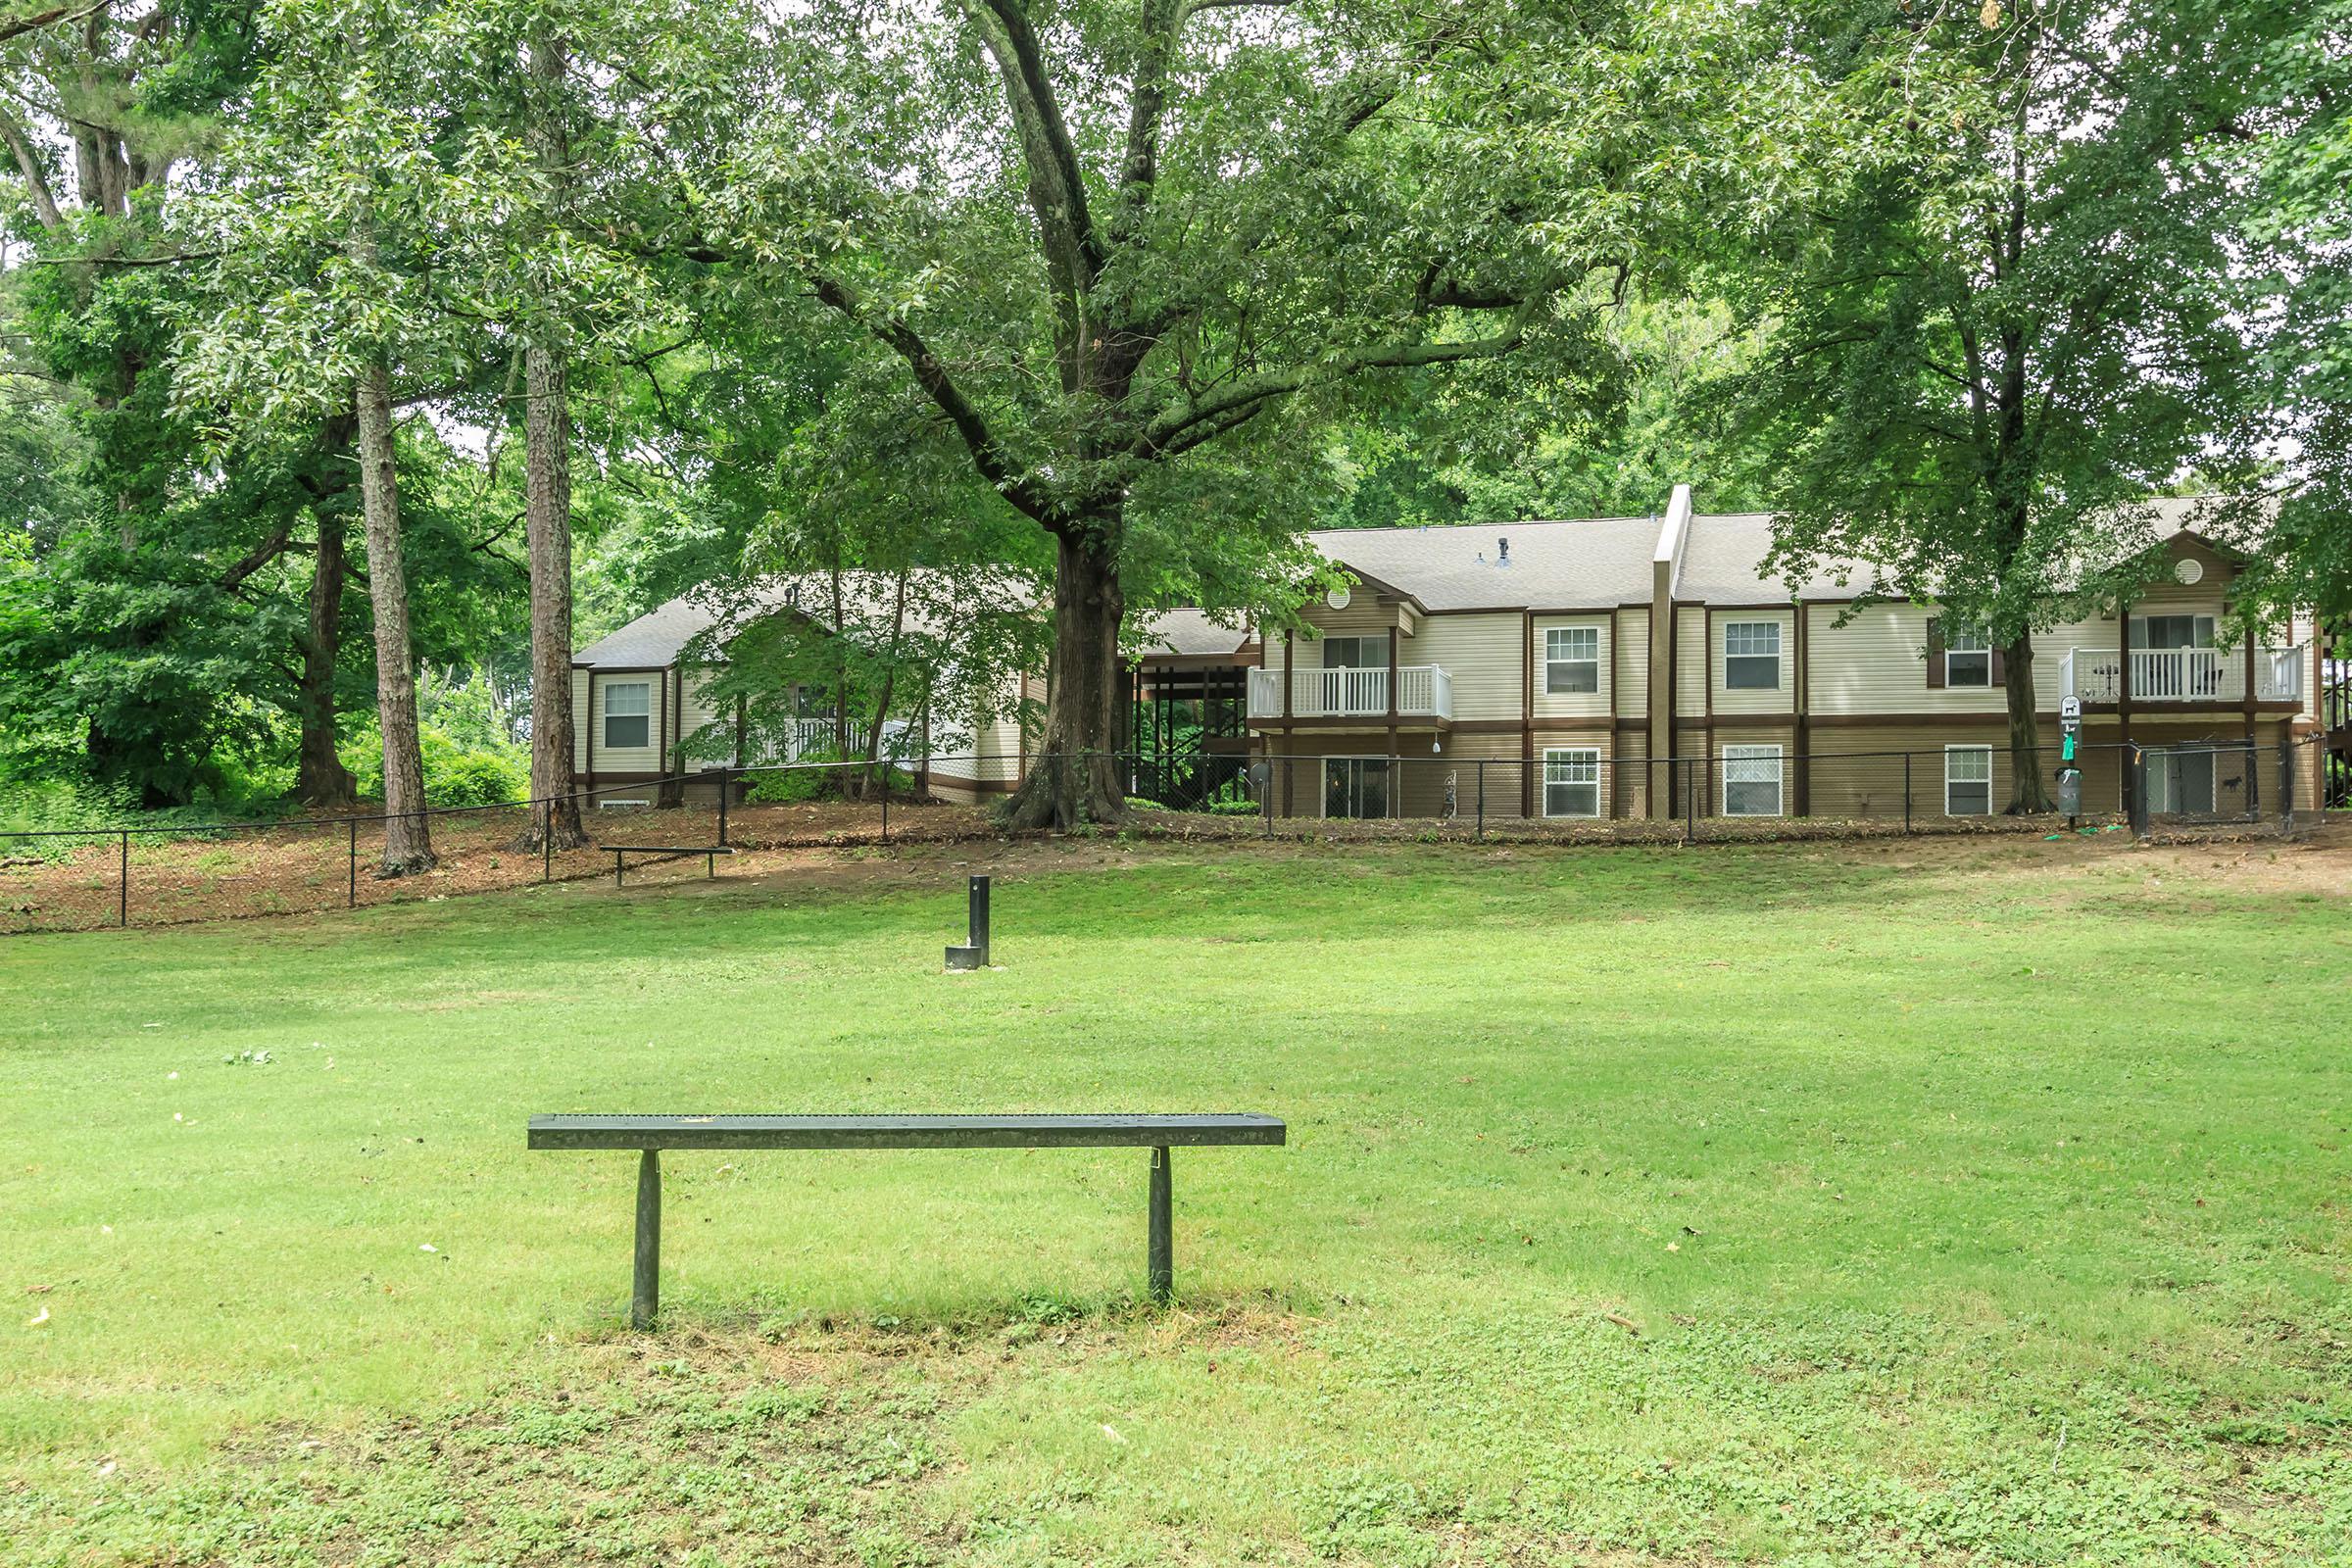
{"points": [[1502, 552]]}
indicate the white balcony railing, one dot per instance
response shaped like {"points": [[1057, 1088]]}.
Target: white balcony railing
{"points": [[2183, 674], [1423, 691]]}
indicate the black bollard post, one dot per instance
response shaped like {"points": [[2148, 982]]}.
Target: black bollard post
{"points": [[974, 954]]}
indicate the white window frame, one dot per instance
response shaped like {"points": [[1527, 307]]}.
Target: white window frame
{"points": [[1981, 648], [1750, 755], [1577, 758], [1949, 781], [1556, 664], [607, 690], [1729, 627]]}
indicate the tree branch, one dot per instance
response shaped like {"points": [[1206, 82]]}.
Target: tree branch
{"points": [[1164, 430], [36, 178], [995, 463]]}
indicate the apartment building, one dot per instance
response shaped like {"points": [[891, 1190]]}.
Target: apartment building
{"points": [[1596, 667], [640, 692]]}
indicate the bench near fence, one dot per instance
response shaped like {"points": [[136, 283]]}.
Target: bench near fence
{"points": [[709, 851], [650, 1135]]}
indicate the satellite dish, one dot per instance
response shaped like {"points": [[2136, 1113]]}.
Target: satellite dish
{"points": [[1339, 598], [2186, 571]]}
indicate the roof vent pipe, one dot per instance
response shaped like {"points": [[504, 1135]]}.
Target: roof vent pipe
{"points": [[1502, 552]]}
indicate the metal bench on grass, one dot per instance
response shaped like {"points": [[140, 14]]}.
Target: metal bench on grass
{"points": [[652, 1133], [709, 851]]}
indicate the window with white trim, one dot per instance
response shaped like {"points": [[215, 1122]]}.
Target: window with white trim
{"points": [[628, 713], [1355, 652], [1752, 655], [1967, 658], [1968, 781], [1572, 658], [1572, 781], [1751, 781]]}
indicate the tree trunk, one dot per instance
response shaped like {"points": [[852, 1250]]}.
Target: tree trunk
{"points": [[1074, 779], [546, 512], [408, 834], [2026, 792], [547, 524], [320, 776]]}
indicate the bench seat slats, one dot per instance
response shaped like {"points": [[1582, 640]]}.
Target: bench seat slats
{"points": [[686, 1131]]}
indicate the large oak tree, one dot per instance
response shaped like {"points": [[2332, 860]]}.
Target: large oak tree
{"points": [[1102, 235]]}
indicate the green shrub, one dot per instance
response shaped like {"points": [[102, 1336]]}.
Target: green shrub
{"points": [[790, 787], [455, 776], [1240, 808]]}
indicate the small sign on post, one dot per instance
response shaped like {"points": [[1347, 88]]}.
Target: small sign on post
{"points": [[973, 954], [2070, 777]]}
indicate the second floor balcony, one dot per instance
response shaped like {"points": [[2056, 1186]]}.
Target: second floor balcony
{"points": [[2183, 674], [1423, 692]]}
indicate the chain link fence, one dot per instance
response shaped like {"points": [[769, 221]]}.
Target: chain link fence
{"points": [[1578, 793], [74, 879], [673, 828]]}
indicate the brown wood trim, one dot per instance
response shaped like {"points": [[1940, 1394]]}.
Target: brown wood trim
{"points": [[1290, 679], [1802, 678], [595, 732], [1527, 713]]}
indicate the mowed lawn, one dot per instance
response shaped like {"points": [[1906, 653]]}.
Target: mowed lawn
{"points": [[1889, 1204]]}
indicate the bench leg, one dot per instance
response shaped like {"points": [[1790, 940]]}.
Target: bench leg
{"points": [[1160, 1259], [645, 1293]]}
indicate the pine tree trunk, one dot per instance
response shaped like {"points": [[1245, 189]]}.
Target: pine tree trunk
{"points": [[1074, 779], [408, 834], [547, 522], [547, 512], [2027, 793], [319, 777]]}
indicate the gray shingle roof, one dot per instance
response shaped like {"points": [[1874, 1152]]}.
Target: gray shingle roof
{"points": [[1188, 633], [1723, 562], [1585, 564]]}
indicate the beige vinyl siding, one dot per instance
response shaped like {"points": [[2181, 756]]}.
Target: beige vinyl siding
{"points": [[579, 721], [1630, 667], [1689, 660], [2300, 633], [698, 711], [646, 759], [2096, 642], [1479, 653], [1780, 699], [1876, 664], [1575, 705], [1363, 618]]}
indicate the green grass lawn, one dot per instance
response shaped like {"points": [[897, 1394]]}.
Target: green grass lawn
{"points": [[1776, 1203]]}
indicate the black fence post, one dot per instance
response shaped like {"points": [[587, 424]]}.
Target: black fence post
{"points": [[1690, 801], [726, 786], [2286, 786], [1482, 797], [122, 893], [2137, 777], [1907, 792], [351, 867]]}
